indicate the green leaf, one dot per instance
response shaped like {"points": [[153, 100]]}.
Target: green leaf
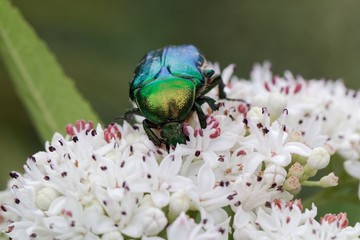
{"points": [[3, 237], [47, 93]]}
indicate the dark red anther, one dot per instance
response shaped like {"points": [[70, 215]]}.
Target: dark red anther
{"points": [[241, 153], [186, 130], [287, 90], [196, 131], [111, 132], [245, 121], [291, 204], [70, 130], [297, 87], [52, 148], [67, 213], [80, 124], [341, 218], [201, 132], [267, 87], [215, 134], [277, 203], [216, 124], [274, 79], [242, 108], [90, 125], [3, 208]]}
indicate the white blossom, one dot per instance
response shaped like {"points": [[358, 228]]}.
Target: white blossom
{"points": [[235, 178]]}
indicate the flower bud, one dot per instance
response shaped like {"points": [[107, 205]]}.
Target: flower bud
{"points": [[259, 100], [275, 104], [296, 170], [329, 181], [45, 197], [112, 236], [340, 218], [153, 221], [179, 202], [274, 174], [319, 158], [255, 114], [292, 183]]}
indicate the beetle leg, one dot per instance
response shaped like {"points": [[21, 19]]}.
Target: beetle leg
{"points": [[201, 114], [210, 101], [152, 136], [213, 82], [217, 80], [130, 114]]}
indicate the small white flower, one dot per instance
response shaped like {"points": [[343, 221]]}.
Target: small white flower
{"points": [[252, 191], [161, 179], [244, 224], [186, 228], [281, 223], [209, 198], [270, 144]]}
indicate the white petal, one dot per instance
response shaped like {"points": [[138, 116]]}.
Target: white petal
{"points": [[170, 166], [252, 162], [241, 218], [211, 158], [179, 183], [224, 142], [266, 221], [298, 148], [180, 229], [352, 167], [206, 178], [227, 73], [282, 159], [140, 185]]}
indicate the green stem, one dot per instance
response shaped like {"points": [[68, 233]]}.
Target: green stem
{"points": [[311, 183]]}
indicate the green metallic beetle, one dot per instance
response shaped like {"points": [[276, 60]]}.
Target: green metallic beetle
{"points": [[168, 85]]}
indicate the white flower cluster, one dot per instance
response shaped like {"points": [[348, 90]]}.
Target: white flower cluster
{"points": [[233, 179]]}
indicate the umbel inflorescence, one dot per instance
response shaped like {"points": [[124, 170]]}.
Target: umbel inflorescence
{"points": [[235, 179]]}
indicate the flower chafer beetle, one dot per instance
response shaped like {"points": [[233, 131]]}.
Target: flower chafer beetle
{"points": [[168, 85]]}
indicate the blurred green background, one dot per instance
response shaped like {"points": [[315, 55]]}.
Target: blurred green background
{"points": [[99, 43]]}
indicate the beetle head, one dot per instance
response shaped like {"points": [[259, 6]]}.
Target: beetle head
{"points": [[172, 133]]}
